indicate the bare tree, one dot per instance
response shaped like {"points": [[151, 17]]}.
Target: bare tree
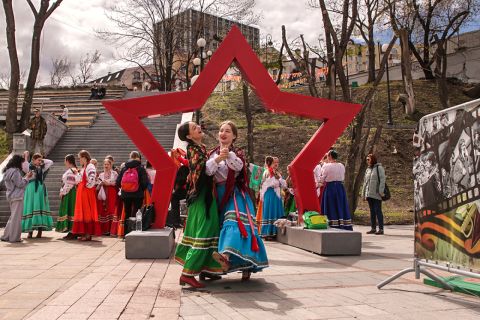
{"points": [[85, 68], [340, 34], [303, 63], [14, 81], [436, 19], [369, 13], [149, 42], [41, 15], [60, 70], [402, 21]]}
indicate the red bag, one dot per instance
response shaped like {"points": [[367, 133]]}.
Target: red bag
{"points": [[130, 180]]}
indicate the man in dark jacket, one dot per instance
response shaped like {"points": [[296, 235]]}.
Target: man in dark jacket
{"points": [[132, 200], [38, 125]]}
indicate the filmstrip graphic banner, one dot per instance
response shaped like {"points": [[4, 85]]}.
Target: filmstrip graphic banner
{"points": [[447, 187]]}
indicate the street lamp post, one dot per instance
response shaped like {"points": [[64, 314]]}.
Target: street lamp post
{"points": [[389, 106], [201, 43], [268, 42]]}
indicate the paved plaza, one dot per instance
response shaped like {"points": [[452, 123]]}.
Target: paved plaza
{"points": [[54, 279]]}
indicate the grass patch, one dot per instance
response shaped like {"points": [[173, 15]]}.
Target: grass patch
{"points": [[362, 217]]}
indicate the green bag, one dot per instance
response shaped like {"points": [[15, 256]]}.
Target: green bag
{"points": [[314, 220]]}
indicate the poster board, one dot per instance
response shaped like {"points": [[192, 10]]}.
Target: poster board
{"points": [[446, 173]]}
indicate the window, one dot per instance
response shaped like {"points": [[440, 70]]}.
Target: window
{"points": [[136, 75]]}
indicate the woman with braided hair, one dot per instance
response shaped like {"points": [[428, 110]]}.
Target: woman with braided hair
{"points": [[200, 237], [239, 247]]}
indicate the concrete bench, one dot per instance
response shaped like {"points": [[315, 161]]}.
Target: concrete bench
{"points": [[330, 242], [150, 244]]}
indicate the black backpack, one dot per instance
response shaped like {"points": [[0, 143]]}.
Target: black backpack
{"points": [[148, 216], [386, 192]]}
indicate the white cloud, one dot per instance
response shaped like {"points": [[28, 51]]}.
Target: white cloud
{"points": [[70, 31]]}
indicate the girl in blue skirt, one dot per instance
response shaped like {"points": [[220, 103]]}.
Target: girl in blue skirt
{"points": [[271, 199], [239, 246], [334, 199]]}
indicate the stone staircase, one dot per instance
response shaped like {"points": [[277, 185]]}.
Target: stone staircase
{"points": [[82, 111], [102, 138]]}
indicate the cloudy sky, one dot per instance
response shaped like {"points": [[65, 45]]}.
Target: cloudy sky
{"points": [[70, 31]]}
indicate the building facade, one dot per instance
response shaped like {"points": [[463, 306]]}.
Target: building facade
{"points": [[192, 24]]}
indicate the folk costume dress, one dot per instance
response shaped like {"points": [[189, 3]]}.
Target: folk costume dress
{"points": [[271, 200], [68, 191], [85, 219], [316, 174], [238, 234], [36, 208], [334, 198], [107, 208], [200, 237]]}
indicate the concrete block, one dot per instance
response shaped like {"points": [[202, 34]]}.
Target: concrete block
{"points": [[150, 244], [330, 242]]}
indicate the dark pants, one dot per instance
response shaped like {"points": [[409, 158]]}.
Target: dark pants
{"points": [[376, 213], [131, 206], [62, 119]]}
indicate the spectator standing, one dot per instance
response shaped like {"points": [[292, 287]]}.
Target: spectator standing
{"points": [[132, 181], [36, 208], [68, 194], [334, 199], [64, 116], [38, 125], [372, 191], [180, 188], [85, 219], [15, 185]]}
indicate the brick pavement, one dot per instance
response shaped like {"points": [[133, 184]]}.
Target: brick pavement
{"points": [[54, 279]]}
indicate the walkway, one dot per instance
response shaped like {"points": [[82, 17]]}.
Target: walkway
{"points": [[54, 279]]}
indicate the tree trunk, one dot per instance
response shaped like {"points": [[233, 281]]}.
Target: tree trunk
{"points": [[371, 56], [32, 75], [407, 72], [441, 73], [11, 116], [249, 118]]}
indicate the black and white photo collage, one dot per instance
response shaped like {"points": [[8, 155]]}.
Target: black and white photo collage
{"points": [[447, 166]]}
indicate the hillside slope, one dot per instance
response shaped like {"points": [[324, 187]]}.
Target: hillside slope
{"points": [[284, 136]]}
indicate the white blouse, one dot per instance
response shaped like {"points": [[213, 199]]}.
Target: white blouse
{"points": [[220, 170], [111, 179], [332, 172], [316, 175], [70, 180], [91, 175], [272, 182]]}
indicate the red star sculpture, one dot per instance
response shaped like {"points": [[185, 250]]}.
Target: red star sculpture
{"points": [[234, 49]]}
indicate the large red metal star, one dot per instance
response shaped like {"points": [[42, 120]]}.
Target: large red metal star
{"points": [[234, 49]]}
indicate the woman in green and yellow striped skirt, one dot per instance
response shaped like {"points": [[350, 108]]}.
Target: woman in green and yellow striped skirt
{"points": [[202, 229]]}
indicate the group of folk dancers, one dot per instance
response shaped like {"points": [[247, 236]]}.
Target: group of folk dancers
{"points": [[92, 203], [223, 233]]}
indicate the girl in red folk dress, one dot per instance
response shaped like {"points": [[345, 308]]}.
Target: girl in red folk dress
{"points": [[85, 219], [106, 204]]}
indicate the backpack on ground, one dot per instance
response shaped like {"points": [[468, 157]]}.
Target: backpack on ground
{"points": [[148, 216], [130, 181], [314, 220]]}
